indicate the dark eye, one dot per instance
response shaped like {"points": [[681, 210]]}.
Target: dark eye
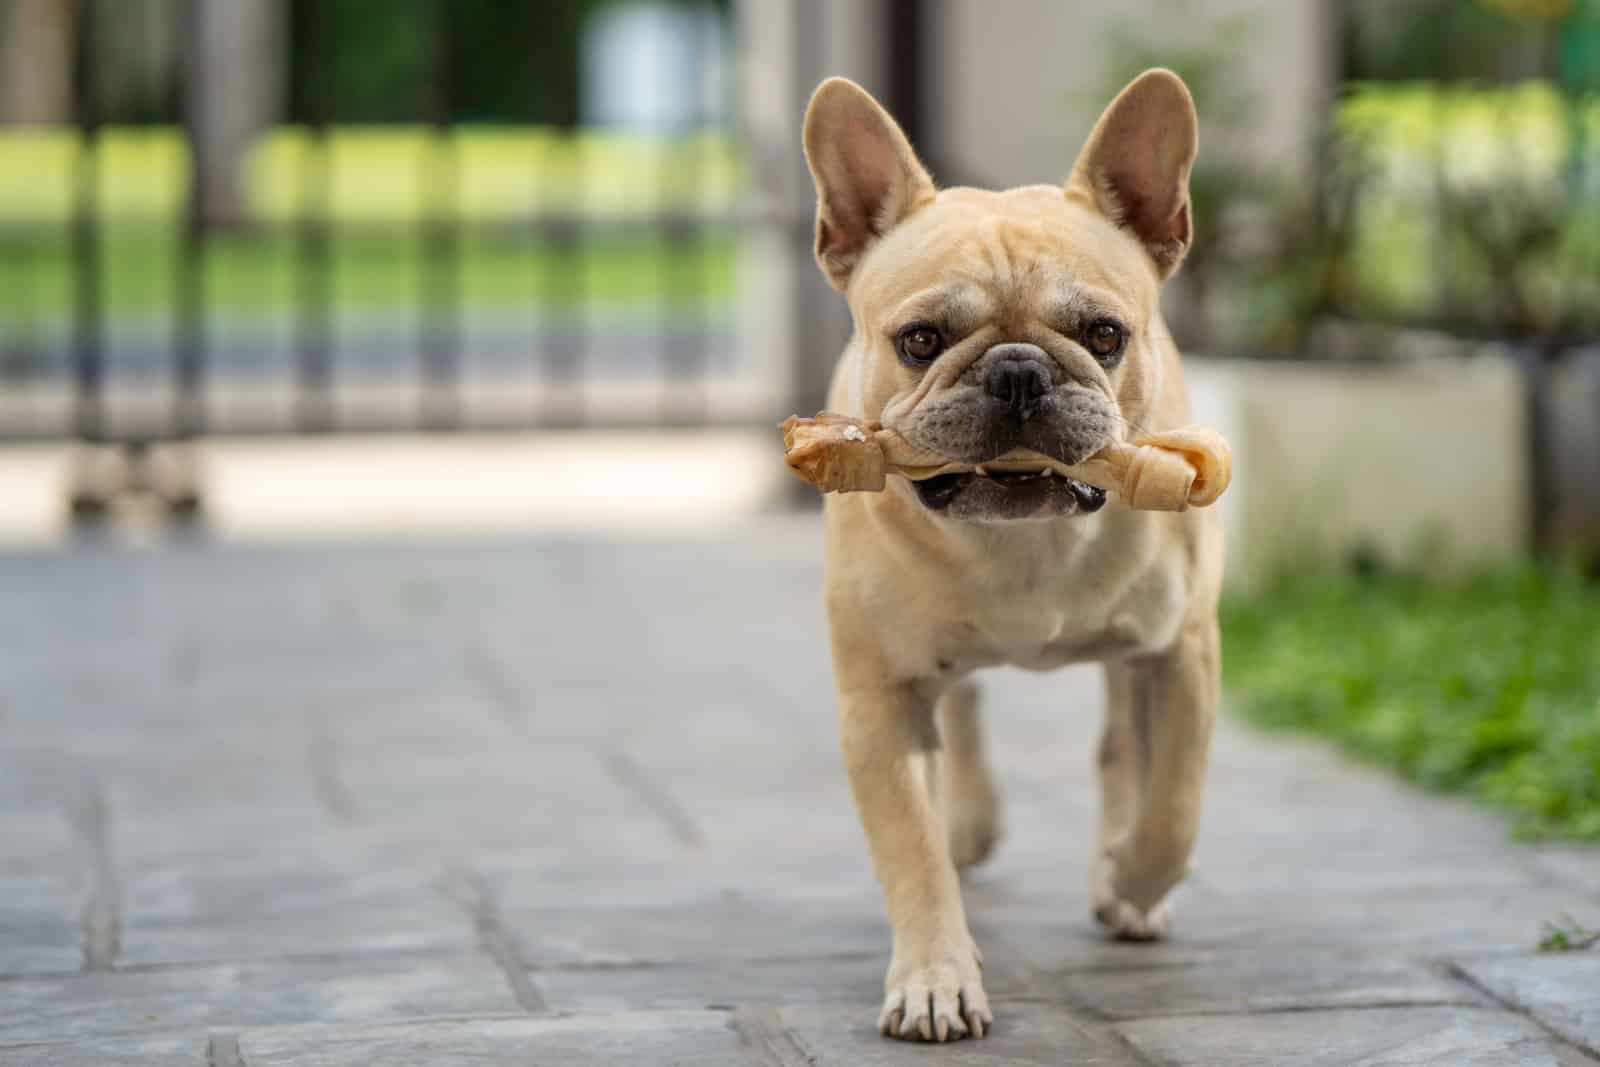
{"points": [[919, 344], [1104, 340]]}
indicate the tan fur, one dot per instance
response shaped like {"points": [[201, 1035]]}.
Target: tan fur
{"points": [[916, 600]]}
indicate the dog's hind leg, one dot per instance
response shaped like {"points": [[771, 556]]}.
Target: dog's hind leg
{"points": [[969, 799], [1159, 714]]}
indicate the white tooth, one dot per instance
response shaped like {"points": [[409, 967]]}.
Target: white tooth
{"points": [[981, 472], [1045, 473]]}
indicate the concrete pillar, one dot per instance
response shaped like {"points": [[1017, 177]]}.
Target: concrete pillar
{"points": [[234, 51], [36, 61], [792, 318]]}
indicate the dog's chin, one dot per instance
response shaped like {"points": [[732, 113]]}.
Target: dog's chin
{"points": [[1008, 496]]}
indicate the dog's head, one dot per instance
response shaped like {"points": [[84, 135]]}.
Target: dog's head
{"points": [[987, 321]]}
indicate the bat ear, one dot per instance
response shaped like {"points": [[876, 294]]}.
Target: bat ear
{"points": [[1135, 167], [868, 178]]}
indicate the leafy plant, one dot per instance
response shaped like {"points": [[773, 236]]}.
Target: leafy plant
{"points": [[1222, 182], [1488, 684], [1566, 934]]}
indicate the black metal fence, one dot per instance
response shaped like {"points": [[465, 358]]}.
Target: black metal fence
{"points": [[620, 314]]}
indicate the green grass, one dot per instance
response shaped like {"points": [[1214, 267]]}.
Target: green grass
{"points": [[377, 190], [371, 270], [1488, 684], [378, 174]]}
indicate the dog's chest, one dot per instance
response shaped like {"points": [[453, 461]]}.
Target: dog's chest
{"points": [[1074, 614]]}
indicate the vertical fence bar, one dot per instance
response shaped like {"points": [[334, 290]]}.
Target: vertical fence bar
{"points": [[683, 234], [314, 407], [439, 221], [562, 274], [189, 331], [904, 35], [811, 362], [88, 297]]}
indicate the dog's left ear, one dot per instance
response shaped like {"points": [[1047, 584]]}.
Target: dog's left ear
{"points": [[867, 176], [1135, 167]]}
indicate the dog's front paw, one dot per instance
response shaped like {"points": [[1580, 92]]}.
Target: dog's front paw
{"points": [[1121, 917], [935, 996]]}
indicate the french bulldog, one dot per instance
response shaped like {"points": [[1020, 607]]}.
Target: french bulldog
{"points": [[985, 321]]}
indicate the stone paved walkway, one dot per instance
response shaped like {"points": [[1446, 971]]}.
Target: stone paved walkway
{"points": [[568, 803]]}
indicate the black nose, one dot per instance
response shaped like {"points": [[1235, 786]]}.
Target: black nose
{"points": [[1019, 377]]}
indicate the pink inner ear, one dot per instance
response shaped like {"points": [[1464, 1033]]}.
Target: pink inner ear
{"points": [[867, 177], [1136, 166], [1145, 191], [871, 167]]}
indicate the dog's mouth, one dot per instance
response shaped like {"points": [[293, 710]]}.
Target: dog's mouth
{"points": [[1008, 494]]}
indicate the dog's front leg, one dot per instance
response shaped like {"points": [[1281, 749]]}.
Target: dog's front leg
{"points": [[933, 990], [1159, 717]]}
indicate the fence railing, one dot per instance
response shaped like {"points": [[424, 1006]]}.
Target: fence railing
{"points": [[435, 276]]}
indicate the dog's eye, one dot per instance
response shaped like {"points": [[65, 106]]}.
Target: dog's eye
{"points": [[1104, 340], [919, 344]]}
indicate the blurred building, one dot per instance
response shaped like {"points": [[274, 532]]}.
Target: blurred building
{"points": [[1007, 88]]}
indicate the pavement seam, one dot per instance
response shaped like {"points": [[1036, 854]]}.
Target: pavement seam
{"points": [[101, 918], [1137, 1054], [1280, 1009], [510, 703], [759, 1026], [1036, 987], [322, 758], [780, 959], [653, 794], [1461, 974], [222, 1050], [425, 955], [1082, 1014], [473, 894]]}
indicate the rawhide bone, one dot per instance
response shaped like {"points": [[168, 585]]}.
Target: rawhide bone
{"points": [[1168, 470]]}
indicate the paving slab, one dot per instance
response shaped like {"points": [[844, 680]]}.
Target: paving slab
{"points": [[853, 981], [193, 999], [722, 928], [415, 927], [1560, 989], [137, 1050], [1026, 1035], [183, 916], [636, 1039], [721, 986], [1209, 926], [1258, 982], [1390, 1037], [39, 928], [483, 801]]}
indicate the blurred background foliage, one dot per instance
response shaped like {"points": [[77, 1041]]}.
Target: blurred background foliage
{"points": [[1453, 190], [368, 61]]}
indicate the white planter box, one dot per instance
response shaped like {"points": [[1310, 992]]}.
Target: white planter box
{"points": [[1418, 462]]}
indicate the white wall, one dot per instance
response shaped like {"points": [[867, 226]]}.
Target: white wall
{"points": [[1014, 77], [1423, 463]]}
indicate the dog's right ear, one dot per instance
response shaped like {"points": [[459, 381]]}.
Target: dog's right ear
{"points": [[868, 178]]}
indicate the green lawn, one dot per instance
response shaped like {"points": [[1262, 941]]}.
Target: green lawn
{"points": [[372, 270], [1488, 684], [377, 189], [378, 174]]}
